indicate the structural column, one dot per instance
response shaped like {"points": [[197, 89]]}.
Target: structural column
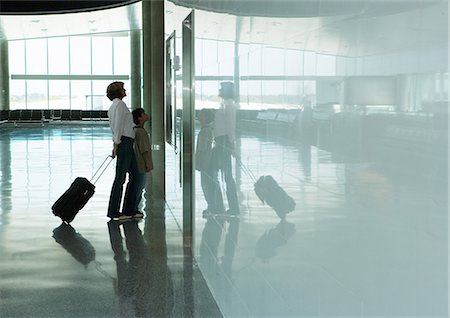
{"points": [[4, 75], [153, 90], [135, 68]]}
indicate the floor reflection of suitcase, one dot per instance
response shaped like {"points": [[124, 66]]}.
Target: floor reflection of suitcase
{"points": [[73, 242], [78, 194]]}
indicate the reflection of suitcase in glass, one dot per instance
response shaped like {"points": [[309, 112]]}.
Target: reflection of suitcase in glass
{"points": [[76, 197], [268, 191]]}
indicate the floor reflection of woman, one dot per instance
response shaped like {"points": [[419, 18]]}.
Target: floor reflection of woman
{"points": [[143, 281]]}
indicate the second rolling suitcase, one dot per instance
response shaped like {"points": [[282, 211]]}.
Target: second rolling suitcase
{"points": [[76, 197], [270, 192]]}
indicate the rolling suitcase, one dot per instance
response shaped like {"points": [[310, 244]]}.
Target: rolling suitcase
{"points": [[76, 197]]}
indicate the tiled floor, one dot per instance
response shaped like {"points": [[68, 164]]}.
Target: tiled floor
{"points": [[365, 239], [93, 268]]}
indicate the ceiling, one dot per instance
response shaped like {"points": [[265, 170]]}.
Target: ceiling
{"points": [[20, 7], [347, 28], [304, 8]]}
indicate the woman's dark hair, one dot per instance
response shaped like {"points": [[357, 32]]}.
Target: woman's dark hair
{"points": [[114, 90], [226, 90], [136, 114]]}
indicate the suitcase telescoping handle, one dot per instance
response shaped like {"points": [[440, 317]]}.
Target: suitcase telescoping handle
{"points": [[101, 169], [246, 169]]}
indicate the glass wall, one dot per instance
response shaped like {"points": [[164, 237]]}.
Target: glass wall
{"points": [[69, 72], [348, 114]]}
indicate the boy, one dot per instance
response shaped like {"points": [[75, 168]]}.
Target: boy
{"points": [[143, 153], [211, 189]]}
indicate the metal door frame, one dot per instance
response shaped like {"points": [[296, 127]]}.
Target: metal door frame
{"points": [[188, 118]]}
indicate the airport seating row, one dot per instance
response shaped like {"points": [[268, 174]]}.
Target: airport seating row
{"points": [[42, 115], [268, 121]]}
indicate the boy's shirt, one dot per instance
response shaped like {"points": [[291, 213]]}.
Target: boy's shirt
{"points": [[204, 145], [143, 151]]}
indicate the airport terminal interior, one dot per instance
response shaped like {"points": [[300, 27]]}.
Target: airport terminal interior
{"points": [[342, 106]]}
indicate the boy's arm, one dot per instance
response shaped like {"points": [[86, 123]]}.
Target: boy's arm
{"points": [[145, 149], [148, 161]]}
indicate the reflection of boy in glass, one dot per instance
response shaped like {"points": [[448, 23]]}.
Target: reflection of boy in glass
{"points": [[203, 151], [143, 153], [224, 137]]}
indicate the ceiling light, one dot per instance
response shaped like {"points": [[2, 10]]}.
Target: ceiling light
{"points": [[35, 21]]}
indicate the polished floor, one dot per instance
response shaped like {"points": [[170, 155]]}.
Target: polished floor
{"points": [[94, 267], [366, 238]]}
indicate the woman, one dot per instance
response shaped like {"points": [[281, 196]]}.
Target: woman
{"points": [[121, 123]]}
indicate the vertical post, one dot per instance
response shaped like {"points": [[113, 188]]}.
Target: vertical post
{"points": [[4, 75], [237, 95], [135, 68], [153, 93], [188, 128]]}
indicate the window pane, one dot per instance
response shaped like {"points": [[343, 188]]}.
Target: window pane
{"points": [[59, 94], [226, 58], [253, 89], [309, 63], [326, 65], [254, 60], [273, 93], [207, 94], [80, 95], [58, 55], [294, 63], [16, 57], [292, 90], [36, 56], [208, 64], [37, 94], [80, 57], [273, 61], [122, 55], [101, 55], [17, 94]]}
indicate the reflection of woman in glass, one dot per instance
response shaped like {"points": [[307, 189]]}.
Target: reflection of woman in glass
{"points": [[224, 137]]}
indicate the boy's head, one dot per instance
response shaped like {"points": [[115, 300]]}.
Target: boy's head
{"points": [[205, 116], [139, 116]]}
